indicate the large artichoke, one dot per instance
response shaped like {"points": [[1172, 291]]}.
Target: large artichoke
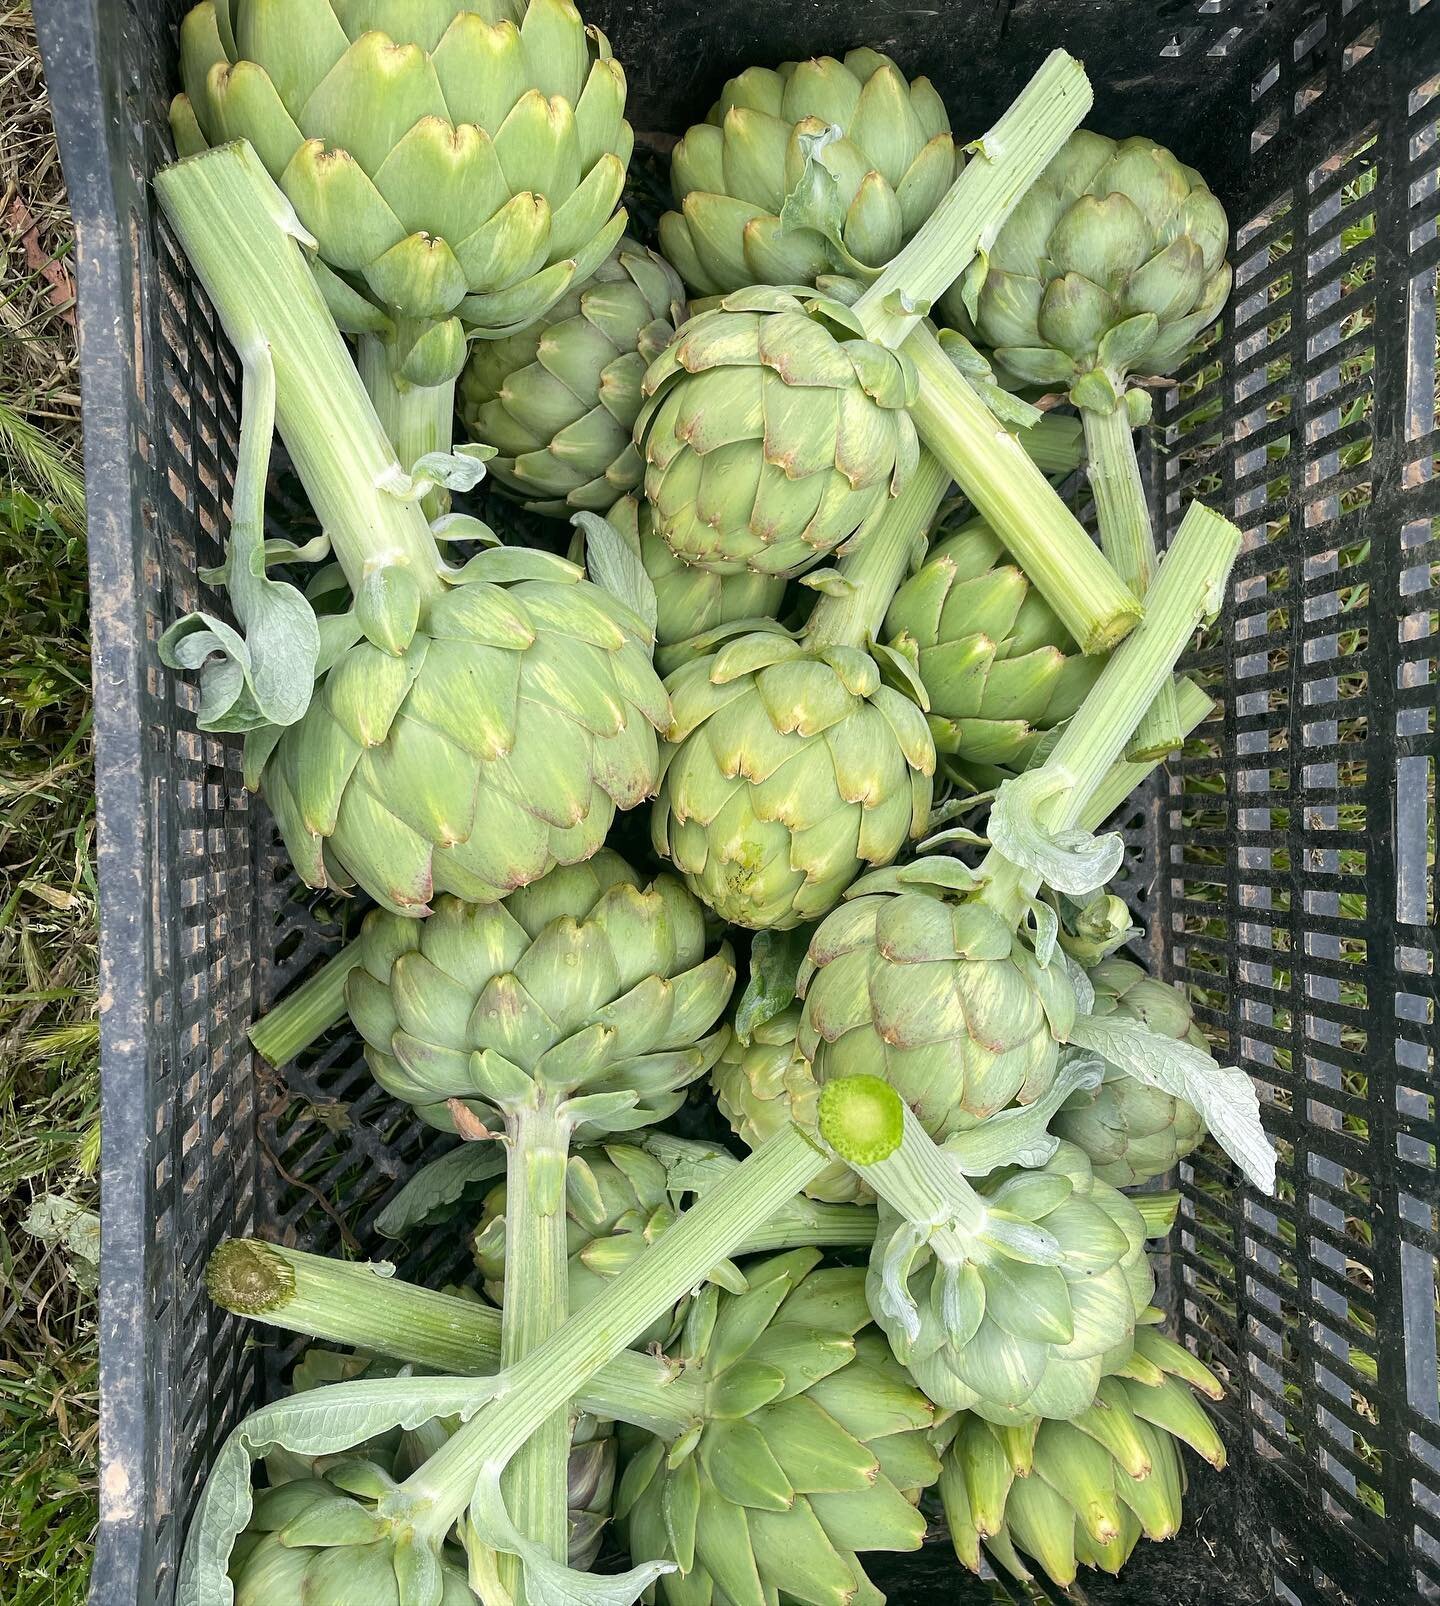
{"points": [[459, 163], [497, 744], [1006, 1337], [890, 153], [813, 1446], [559, 400], [769, 437], [788, 769], [999, 667], [1083, 1492], [1111, 264], [1130, 1131]]}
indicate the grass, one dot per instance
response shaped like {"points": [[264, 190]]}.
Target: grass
{"points": [[49, 1119]]}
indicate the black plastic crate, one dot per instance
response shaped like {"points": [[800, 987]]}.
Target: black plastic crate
{"points": [[1295, 885]]}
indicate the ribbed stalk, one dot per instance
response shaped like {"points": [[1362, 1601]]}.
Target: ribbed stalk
{"points": [[306, 1012], [563, 1365], [417, 418], [1005, 487], [1192, 705], [1129, 543], [341, 1302], [536, 1304], [1052, 443], [879, 562], [239, 234]]}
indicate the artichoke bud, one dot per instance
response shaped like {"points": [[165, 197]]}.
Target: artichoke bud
{"points": [[1091, 931], [387, 608]]}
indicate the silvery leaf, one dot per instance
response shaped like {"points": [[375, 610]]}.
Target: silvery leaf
{"points": [[615, 565], [443, 1182], [1070, 860]]}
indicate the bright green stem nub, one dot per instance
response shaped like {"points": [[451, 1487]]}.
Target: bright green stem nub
{"points": [[359, 1306], [1129, 543], [307, 1012], [418, 418]]}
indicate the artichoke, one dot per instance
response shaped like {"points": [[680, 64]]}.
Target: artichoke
{"points": [[560, 399], [590, 1488], [762, 1083], [788, 769], [497, 744], [586, 980], [770, 438], [1132, 1132], [1012, 1338], [459, 163], [813, 1445], [1111, 264], [1083, 1492], [889, 151], [998, 666]]}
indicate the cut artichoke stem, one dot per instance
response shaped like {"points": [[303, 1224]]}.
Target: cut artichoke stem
{"points": [[419, 419], [1193, 705], [882, 554], [1004, 162], [307, 1012], [1129, 542], [1052, 443], [241, 237], [1189, 585], [1006, 488], [565, 1362], [343, 1302]]}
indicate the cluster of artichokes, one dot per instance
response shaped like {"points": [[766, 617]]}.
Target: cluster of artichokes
{"points": [[775, 631]]}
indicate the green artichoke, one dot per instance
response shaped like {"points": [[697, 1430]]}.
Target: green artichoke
{"points": [[586, 982], [762, 1083], [770, 438], [560, 399], [1111, 264], [998, 666], [890, 153], [1012, 1338], [788, 769], [497, 744], [814, 1445], [591, 1488], [689, 600], [459, 163], [1083, 1492], [1132, 1132]]}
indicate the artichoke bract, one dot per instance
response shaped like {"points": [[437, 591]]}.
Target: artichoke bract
{"points": [[1012, 1339], [890, 153], [813, 1446], [998, 666], [762, 1083], [771, 436], [559, 400], [1131, 1132], [494, 745], [1083, 1492]]}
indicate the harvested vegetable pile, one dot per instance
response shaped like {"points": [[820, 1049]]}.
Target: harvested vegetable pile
{"points": [[827, 620]]}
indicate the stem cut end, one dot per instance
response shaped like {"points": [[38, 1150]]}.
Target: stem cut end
{"points": [[862, 1119], [249, 1278]]}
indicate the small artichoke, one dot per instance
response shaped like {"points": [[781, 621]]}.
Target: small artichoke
{"points": [[559, 400], [787, 770], [999, 667], [771, 436], [459, 164], [892, 162], [497, 744], [814, 1445], [1083, 1492], [1111, 264], [1012, 1338], [585, 982], [1132, 1132], [590, 1487], [762, 1083]]}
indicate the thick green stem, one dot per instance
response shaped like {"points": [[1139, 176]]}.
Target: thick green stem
{"points": [[1005, 487], [1003, 164], [536, 1304], [1052, 443], [418, 418], [881, 557], [1192, 706], [562, 1366], [306, 1012], [240, 235], [1129, 543], [341, 1302]]}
